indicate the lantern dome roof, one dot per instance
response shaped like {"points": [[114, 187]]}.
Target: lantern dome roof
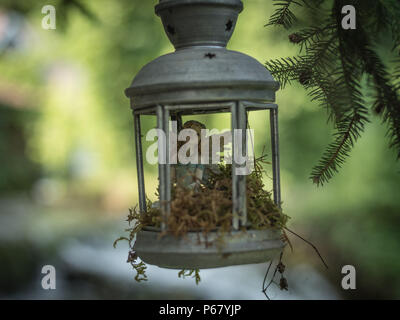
{"points": [[202, 74], [201, 70]]}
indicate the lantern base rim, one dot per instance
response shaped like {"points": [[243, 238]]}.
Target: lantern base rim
{"points": [[191, 251]]}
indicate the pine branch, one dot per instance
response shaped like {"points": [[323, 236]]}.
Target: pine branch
{"points": [[349, 125], [387, 101], [283, 15], [321, 56], [332, 64], [351, 121], [390, 10], [309, 36], [349, 130], [396, 74], [286, 70], [326, 90], [318, 58]]}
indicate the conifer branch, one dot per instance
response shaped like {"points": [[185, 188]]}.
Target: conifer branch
{"points": [[331, 65], [283, 15]]}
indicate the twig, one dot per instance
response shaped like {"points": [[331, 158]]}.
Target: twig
{"points": [[309, 243], [273, 276]]}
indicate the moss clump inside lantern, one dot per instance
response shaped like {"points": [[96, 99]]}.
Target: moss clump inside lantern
{"points": [[217, 217]]}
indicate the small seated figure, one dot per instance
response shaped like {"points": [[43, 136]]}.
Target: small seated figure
{"points": [[192, 175]]}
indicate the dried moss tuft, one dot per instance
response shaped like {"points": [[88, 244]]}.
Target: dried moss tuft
{"points": [[195, 273], [206, 209]]}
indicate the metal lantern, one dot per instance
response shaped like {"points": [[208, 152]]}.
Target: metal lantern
{"points": [[203, 77]]}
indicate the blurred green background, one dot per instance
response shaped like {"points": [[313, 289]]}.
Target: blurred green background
{"points": [[68, 171]]}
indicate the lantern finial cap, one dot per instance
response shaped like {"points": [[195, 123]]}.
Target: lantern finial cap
{"points": [[190, 23]]}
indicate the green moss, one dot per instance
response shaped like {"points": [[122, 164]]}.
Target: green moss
{"points": [[206, 209], [195, 273]]}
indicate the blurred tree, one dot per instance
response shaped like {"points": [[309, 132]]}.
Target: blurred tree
{"points": [[64, 8], [18, 171], [333, 63]]}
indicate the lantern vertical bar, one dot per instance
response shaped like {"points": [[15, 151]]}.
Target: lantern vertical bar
{"points": [[238, 114], [167, 164], [176, 116], [235, 221], [139, 163], [162, 157], [242, 125], [275, 156]]}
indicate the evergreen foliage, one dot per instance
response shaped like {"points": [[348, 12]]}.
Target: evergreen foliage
{"points": [[333, 64]]}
